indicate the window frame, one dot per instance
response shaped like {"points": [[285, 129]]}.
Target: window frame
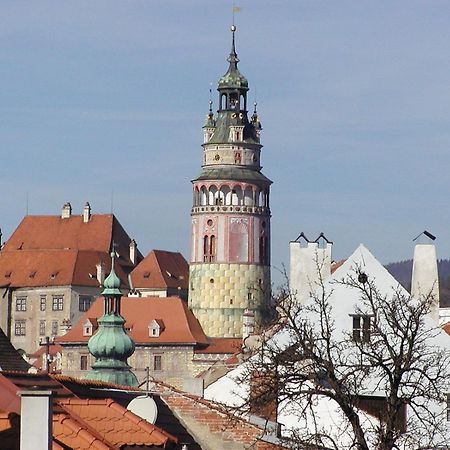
{"points": [[362, 327], [84, 363], [43, 303], [58, 303], [20, 327], [55, 327], [21, 304], [157, 363], [84, 303], [42, 327]]}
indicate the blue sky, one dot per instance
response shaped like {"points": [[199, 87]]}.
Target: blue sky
{"points": [[110, 96]]}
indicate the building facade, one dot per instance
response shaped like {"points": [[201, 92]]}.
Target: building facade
{"points": [[230, 252]]}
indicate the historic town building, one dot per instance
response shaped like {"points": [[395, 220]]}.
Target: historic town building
{"points": [[230, 252]]}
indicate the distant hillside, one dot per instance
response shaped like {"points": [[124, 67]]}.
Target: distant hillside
{"points": [[402, 271]]}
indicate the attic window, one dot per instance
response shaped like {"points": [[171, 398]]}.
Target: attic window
{"points": [[146, 274], [54, 275], [155, 328], [362, 327], [32, 274], [8, 274], [171, 275], [87, 329]]}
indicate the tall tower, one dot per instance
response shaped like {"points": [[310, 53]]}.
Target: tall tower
{"points": [[230, 251]]}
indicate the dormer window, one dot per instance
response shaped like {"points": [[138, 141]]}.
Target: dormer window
{"points": [[155, 328], [362, 327], [88, 328]]}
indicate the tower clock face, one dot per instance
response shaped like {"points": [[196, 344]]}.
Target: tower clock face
{"points": [[216, 157]]}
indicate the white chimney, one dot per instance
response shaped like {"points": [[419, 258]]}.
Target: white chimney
{"points": [[248, 323], [100, 273], [133, 251], [306, 264], [425, 280], [66, 211], [35, 420], [86, 212]]}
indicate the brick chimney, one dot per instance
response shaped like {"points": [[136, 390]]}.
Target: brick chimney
{"points": [[308, 260], [35, 420], [66, 211], [133, 252], [86, 212], [425, 279]]}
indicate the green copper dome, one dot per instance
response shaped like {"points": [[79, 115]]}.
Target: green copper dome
{"points": [[111, 346]]}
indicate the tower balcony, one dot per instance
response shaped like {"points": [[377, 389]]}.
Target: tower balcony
{"points": [[260, 210]]}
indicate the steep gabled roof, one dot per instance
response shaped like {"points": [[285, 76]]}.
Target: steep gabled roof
{"points": [[181, 326], [161, 269]]}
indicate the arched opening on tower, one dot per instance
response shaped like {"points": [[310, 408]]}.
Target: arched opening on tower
{"points": [[248, 196], [203, 196]]}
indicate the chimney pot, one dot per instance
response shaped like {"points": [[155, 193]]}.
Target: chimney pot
{"points": [[66, 211], [133, 251], [87, 212]]}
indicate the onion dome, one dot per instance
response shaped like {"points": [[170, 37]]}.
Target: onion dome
{"points": [[111, 346]]}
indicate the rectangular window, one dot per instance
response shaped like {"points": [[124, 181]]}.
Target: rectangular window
{"points": [[20, 328], [54, 327], [362, 328], [42, 328], [84, 302], [21, 304], [43, 303], [157, 362], [83, 362], [58, 303]]}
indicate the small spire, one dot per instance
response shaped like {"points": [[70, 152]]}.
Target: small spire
{"points": [[254, 108], [233, 58]]}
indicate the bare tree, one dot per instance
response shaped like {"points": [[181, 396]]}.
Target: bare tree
{"points": [[387, 377]]}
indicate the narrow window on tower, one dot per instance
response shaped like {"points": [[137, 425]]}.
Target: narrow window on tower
{"points": [[212, 248], [205, 248]]}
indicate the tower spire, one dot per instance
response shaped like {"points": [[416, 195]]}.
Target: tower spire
{"points": [[233, 58]]}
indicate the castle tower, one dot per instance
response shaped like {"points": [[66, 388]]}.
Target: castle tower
{"points": [[230, 251], [111, 346]]}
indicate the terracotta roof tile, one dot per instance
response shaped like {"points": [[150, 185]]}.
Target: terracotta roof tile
{"points": [[181, 326], [161, 269], [114, 423], [222, 345]]}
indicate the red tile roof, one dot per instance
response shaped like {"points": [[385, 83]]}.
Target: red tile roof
{"points": [[51, 251], [161, 269], [223, 346], [32, 268], [104, 420], [181, 326]]}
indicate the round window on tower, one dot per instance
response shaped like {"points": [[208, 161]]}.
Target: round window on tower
{"points": [[209, 223], [217, 157]]}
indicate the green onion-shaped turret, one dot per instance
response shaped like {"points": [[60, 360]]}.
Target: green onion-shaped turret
{"points": [[111, 346]]}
